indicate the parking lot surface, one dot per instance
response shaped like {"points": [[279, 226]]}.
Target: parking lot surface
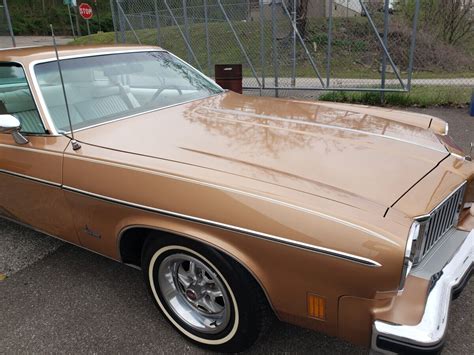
{"points": [[26, 41], [60, 298]]}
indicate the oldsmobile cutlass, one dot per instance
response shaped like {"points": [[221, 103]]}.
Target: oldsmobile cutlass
{"points": [[349, 220]]}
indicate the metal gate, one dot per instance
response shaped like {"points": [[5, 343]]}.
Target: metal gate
{"points": [[284, 45]]}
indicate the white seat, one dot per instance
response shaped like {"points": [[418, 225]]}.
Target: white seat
{"points": [[20, 104]]}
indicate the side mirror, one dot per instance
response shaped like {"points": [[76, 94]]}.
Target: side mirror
{"points": [[11, 124]]}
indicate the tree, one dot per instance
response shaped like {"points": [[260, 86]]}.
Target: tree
{"points": [[302, 17], [449, 20], [455, 19]]}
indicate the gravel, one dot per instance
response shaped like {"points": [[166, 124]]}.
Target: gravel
{"points": [[74, 301], [21, 247]]}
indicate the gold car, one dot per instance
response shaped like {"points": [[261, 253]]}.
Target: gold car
{"points": [[349, 220]]}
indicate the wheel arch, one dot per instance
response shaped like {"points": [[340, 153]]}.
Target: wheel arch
{"points": [[131, 239]]}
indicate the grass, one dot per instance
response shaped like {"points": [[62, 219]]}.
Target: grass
{"points": [[344, 64], [419, 96], [347, 59]]}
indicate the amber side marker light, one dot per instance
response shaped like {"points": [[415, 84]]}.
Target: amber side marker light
{"points": [[316, 306]]}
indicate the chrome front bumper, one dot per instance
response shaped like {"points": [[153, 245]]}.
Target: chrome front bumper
{"points": [[428, 335]]}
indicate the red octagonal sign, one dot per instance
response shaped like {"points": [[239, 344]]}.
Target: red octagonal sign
{"points": [[85, 10]]}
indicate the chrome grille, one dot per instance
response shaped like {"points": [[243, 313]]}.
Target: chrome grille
{"points": [[439, 221]]}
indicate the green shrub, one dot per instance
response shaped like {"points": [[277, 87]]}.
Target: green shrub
{"points": [[421, 96], [28, 18]]}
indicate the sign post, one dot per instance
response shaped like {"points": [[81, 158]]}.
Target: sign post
{"points": [[85, 10], [68, 3]]}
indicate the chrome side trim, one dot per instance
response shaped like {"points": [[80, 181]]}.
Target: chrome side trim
{"points": [[245, 193], [321, 125], [188, 236], [269, 237], [35, 150], [26, 225], [46, 182], [319, 214], [431, 330]]}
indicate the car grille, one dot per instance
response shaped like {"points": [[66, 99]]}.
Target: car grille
{"points": [[439, 221]]}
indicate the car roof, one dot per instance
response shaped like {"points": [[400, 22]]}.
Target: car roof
{"points": [[26, 55]]}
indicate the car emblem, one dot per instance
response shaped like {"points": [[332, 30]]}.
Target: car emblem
{"points": [[92, 233], [191, 294]]}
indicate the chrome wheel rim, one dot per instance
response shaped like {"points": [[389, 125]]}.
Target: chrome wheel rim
{"points": [[194, 292]]}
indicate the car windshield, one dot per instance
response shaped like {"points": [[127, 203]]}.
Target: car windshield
{"points": [[107, 87]]}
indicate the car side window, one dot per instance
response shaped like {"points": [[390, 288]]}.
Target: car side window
{"points": [[16, 98]]}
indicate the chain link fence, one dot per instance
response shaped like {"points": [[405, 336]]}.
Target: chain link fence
{"points": [[298, 47], [6, 29]]}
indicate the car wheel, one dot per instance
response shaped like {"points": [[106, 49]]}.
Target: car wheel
{"points": [[208, 297]]}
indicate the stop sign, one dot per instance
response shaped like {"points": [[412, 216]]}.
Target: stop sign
{"points": [[85, 10]]}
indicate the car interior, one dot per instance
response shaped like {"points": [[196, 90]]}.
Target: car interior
{"points": [[97, 94], [16, 99], [99, 89]]}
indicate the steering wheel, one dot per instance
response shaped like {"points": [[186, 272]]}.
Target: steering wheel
{"points": [[159, 91]]}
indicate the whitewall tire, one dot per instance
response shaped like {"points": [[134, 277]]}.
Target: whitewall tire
{"points": [[208, 297]]}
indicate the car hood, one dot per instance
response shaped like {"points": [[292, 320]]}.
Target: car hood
{"points": [[339, 152]]}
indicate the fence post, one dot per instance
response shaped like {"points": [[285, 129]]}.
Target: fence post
{"points": [[328, 59], [308, 54], [262, 43], [9, 22], [275, 51], [173, 18], [208, 45], [413, 44], [293, 64], [78, 25], [121, 22], [114, 20], [70, 21], [158, 29], [385, 42], [241, 46], [123, 16], [186, 28], [380, 40]]}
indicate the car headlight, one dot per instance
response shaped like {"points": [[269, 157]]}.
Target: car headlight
{"points": [[410, 251]]}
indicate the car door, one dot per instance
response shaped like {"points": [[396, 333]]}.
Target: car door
{"points": [[31, 173]]}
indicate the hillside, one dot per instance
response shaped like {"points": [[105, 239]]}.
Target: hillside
{"points": [[355, 52]]}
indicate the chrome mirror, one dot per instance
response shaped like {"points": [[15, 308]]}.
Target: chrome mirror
{"points": [[11, 124]]}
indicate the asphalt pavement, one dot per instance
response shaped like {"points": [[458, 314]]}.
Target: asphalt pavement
{"points": [[27, 41], [60, 298]]}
